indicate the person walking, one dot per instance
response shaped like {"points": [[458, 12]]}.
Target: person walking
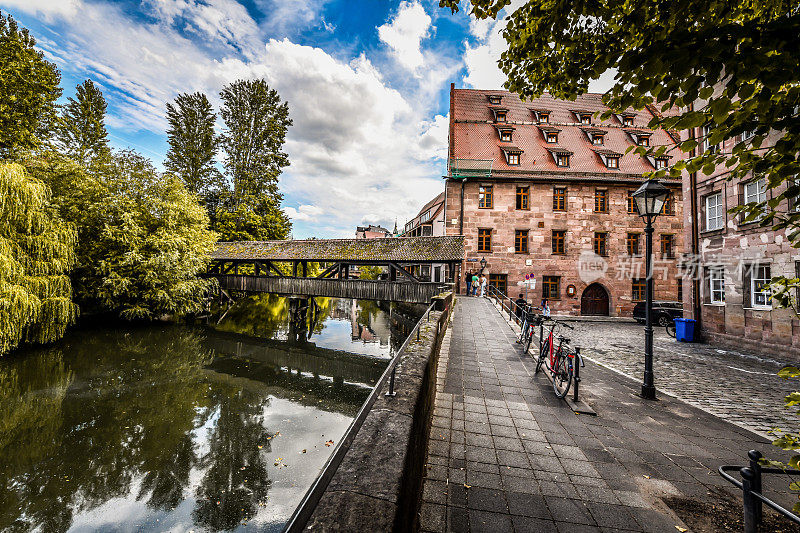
{"points": [[475, 284], [545, 307], [483, 285], [468, 284]]}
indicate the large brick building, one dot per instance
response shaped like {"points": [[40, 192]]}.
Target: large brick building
{"points": [[542, 188], [733, 261]]}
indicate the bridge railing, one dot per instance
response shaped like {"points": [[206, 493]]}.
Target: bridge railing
{"points": [[506, 304], [306, 507]]}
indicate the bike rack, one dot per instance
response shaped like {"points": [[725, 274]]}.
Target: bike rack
{"points": [[752, 499]]}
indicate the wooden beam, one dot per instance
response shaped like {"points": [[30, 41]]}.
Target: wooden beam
{"points": [[405, 272], [329, 271]]}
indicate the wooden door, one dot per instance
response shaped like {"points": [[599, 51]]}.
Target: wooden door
{"points": [[594, 301]]}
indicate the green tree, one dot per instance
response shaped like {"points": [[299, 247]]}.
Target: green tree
{"points": [[255, 129], [193, 143], [143, 238], [256, 218], [29, 88], [718, 67], [82, 131], [36, 253]]}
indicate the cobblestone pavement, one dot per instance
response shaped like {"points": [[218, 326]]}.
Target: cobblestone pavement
{"points": [[739, 387], [505, 455]]}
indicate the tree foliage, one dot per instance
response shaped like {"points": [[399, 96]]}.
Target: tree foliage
{"points": [[255, 129], [143, 238], [36, 253], [256, 218], [727, 66], [81, 132], [193, 144], [29, 88]]}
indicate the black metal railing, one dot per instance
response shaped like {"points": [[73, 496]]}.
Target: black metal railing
{"points": [[750, 484], [506, 304], [312, 497]]}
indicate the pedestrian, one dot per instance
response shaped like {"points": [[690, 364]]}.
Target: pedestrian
{"points": [[521, 303], [475, 284], [483, 284], [468, 283], [545, 307]]}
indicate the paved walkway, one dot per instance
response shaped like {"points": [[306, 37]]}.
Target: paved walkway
{"points": [[506, 455]]}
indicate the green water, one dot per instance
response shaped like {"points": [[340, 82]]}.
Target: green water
{"points": [[175, 428]]}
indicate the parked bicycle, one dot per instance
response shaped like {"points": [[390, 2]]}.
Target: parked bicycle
{"points": [[530, 321], [559, 359]]}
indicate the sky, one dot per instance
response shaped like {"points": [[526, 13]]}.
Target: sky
{"points": [[367, 82]]}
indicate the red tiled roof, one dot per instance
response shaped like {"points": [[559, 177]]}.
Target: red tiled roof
{"points": [[512, 149], [474, 134], [559, 150], [606, 151]]}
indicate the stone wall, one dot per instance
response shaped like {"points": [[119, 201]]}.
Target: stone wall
{"points": [[379, 481], [580, 222]]}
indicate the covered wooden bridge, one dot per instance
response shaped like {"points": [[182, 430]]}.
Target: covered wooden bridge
{"points": [[326, 267]]}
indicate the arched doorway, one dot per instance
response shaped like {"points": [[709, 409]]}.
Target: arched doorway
{"points": [[594, 300]]}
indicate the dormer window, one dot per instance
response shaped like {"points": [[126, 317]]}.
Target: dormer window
{"points": [[552, 137], [505, 135], [598, 138], [586, 118], [627, 120], [544, 118], [542, 115], [661, 162], [512, 154], [612, 162], [640, 137], [500, 116], [643, 140], [562, 160], [494, 99]]}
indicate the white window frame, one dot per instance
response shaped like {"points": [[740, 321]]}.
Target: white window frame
{"points": [[597, 139], [760, 277], [543, 118], [505, 135], [755, 192], [707, 146], [561, 159], [627, 120], [715, 218], [513, 158], [716, 285], [551, 135], [661, 162], [612, 162]]}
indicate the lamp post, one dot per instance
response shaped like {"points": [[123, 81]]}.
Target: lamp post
{"points": [[650, 199], [483, 264]]}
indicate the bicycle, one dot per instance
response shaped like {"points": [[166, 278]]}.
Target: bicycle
{"points": [[546, 349], [559, 360], [529, 322]]}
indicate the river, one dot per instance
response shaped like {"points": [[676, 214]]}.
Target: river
{"points": [[185, 428]]}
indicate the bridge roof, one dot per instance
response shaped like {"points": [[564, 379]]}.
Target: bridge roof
{"points": [[398, 249]]}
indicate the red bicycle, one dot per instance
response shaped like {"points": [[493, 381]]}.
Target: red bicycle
{"points": [[559, 359]]}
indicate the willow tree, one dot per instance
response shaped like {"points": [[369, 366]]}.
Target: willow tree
{"points": [[36, 253]]}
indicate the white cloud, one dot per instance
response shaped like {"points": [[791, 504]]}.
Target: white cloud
{"points": [[358, 146], [47, 8], [405, 33], [303, 213]]}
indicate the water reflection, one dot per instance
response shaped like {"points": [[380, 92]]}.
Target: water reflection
{"points": [[179, 428]]}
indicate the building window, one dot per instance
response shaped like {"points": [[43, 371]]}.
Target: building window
{"points": [[550, 287], [612, 162], [551, 137], [559, 246], [715, 214], [680, 289], [630, 204], [661, 162], [559, 199], [494, 100], [599, 241], [522, 198], [499, 282], [707, 146], [632, 243], [597, 138], [505, 135], [500, 116], [485, 197], [513, 159], [755, 191], [668, 246], [638, 288], [521, 241], [562, 160], [601, 201], [716, 285], [485, 240], [643, 140], [669, 205], [627, 120], [586, 118], [760, 278], [427, 230]]}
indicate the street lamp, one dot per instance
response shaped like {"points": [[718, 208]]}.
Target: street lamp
{"points": [[650, 199], [483, 264]]}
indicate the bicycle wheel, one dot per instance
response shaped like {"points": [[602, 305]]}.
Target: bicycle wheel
{"points": [[542, 355], [562, 374]]}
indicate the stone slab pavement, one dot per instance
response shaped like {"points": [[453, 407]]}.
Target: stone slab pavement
{"points": [[506, 455]]}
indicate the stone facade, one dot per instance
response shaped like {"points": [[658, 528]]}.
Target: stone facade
{"points": [[735, 249], [580, 223], [497, 140]]}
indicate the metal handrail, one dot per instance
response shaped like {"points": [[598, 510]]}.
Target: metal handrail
{"points": [[495, 293], [305, 509], [751, 490]]}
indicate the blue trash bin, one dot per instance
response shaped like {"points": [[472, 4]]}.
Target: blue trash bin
{"points": [[684, 329]]}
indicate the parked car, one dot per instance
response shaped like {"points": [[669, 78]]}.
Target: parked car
{"points": [[663, 312]]}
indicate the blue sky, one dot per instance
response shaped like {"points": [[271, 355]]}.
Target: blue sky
{"points": [[367, 83]]}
